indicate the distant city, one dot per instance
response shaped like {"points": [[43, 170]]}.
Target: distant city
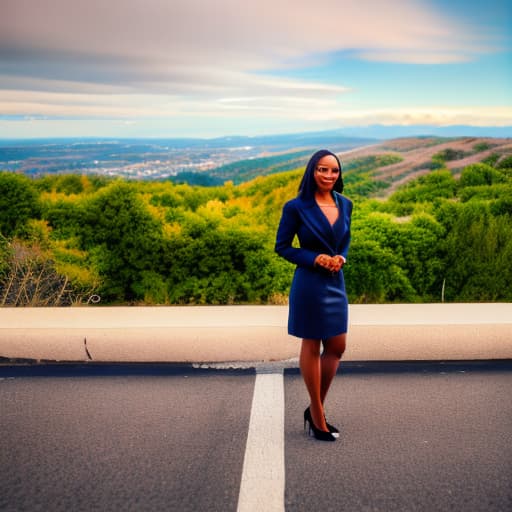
{"points": [[158, 159], [128, 159], [136, 160]]}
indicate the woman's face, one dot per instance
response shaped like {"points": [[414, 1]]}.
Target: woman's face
{"points": [[326, 173]]}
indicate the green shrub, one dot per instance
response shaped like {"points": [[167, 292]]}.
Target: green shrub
{"points": [[19, 202]]}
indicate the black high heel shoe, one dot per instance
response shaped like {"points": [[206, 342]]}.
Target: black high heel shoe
{"points": [[332, 429], [320, 435]]}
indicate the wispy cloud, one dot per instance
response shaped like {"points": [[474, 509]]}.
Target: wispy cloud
{"points": [[152, 37], [415, 57], [157, 58], [439, 116]]}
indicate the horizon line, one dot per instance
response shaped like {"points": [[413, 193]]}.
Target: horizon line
{"points": [[291, 134]]}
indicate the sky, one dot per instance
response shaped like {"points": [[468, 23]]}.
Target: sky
{"points": [[210, 68]]}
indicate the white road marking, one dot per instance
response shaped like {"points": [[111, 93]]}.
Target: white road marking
{"points": [[263, 475]]}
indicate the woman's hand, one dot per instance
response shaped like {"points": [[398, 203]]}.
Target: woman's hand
{"points": [[331, 263], [323, 260], [339, 261]]}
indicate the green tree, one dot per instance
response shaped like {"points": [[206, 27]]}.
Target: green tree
{"points": [[478, 251], [19, 202], [70, 184], [504, 163], [123, 238], [480, 174], [220, 266], [413, 242], [64, 217], [418, 245], [373, 275], [435, 185]]}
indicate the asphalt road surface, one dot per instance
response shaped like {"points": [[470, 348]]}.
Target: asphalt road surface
{"points": [[413, 438]]}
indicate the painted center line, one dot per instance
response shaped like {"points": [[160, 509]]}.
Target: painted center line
{"points": [[263, 475]]}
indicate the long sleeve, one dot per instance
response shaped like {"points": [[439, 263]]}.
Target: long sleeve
{"points": [[288, 227], [345, 243]]}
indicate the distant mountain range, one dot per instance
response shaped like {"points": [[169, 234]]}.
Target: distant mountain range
{"points": [[293, 140], [397, 131]]}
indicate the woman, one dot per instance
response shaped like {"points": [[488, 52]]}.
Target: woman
{"points": [[318, 307]]}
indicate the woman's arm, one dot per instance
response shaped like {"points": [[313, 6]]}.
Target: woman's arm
{"points": [[346, 238], [288, 226]]}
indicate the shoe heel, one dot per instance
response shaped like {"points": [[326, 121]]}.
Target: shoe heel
{"points": [[317, 433]]}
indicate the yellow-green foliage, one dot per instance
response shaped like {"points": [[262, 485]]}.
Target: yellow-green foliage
{"points": [[165, 243], [72, 262]]}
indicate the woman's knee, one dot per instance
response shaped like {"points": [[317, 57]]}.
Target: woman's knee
{"points": [[335, 346], [310, 347]]}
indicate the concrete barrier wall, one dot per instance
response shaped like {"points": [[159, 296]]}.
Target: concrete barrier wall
{"points": [[251, 333]]}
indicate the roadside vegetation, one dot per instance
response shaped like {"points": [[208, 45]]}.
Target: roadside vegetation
{"points": [[443, 236]]}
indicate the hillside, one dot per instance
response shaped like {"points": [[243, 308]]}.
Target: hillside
{"points": [[388, 164], [420, 155]]}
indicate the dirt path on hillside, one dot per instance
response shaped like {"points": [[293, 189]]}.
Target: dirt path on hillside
{"points": [[417, 153]]}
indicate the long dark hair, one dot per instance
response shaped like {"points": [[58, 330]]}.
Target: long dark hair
{"points": [[307, 185]]}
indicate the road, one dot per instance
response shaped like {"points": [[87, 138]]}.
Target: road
{"points": [[413, 438]]}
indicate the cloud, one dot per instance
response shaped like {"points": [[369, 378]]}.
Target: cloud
{"points": [[73, 105], [141, 59], [414, 57], [141, 42], [321, 109], [438, 116]]}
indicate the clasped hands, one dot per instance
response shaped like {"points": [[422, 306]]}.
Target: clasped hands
{"points": [[331, 263]]}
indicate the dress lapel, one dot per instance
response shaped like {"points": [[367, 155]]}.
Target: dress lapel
{"points": [[317, 222], [338, 227]]}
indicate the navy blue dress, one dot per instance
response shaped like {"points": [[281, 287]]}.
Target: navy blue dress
{"points": [[318, 305]]}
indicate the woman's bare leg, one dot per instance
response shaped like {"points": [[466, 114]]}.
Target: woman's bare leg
{"points": [[310, 368], [329, 362]]}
